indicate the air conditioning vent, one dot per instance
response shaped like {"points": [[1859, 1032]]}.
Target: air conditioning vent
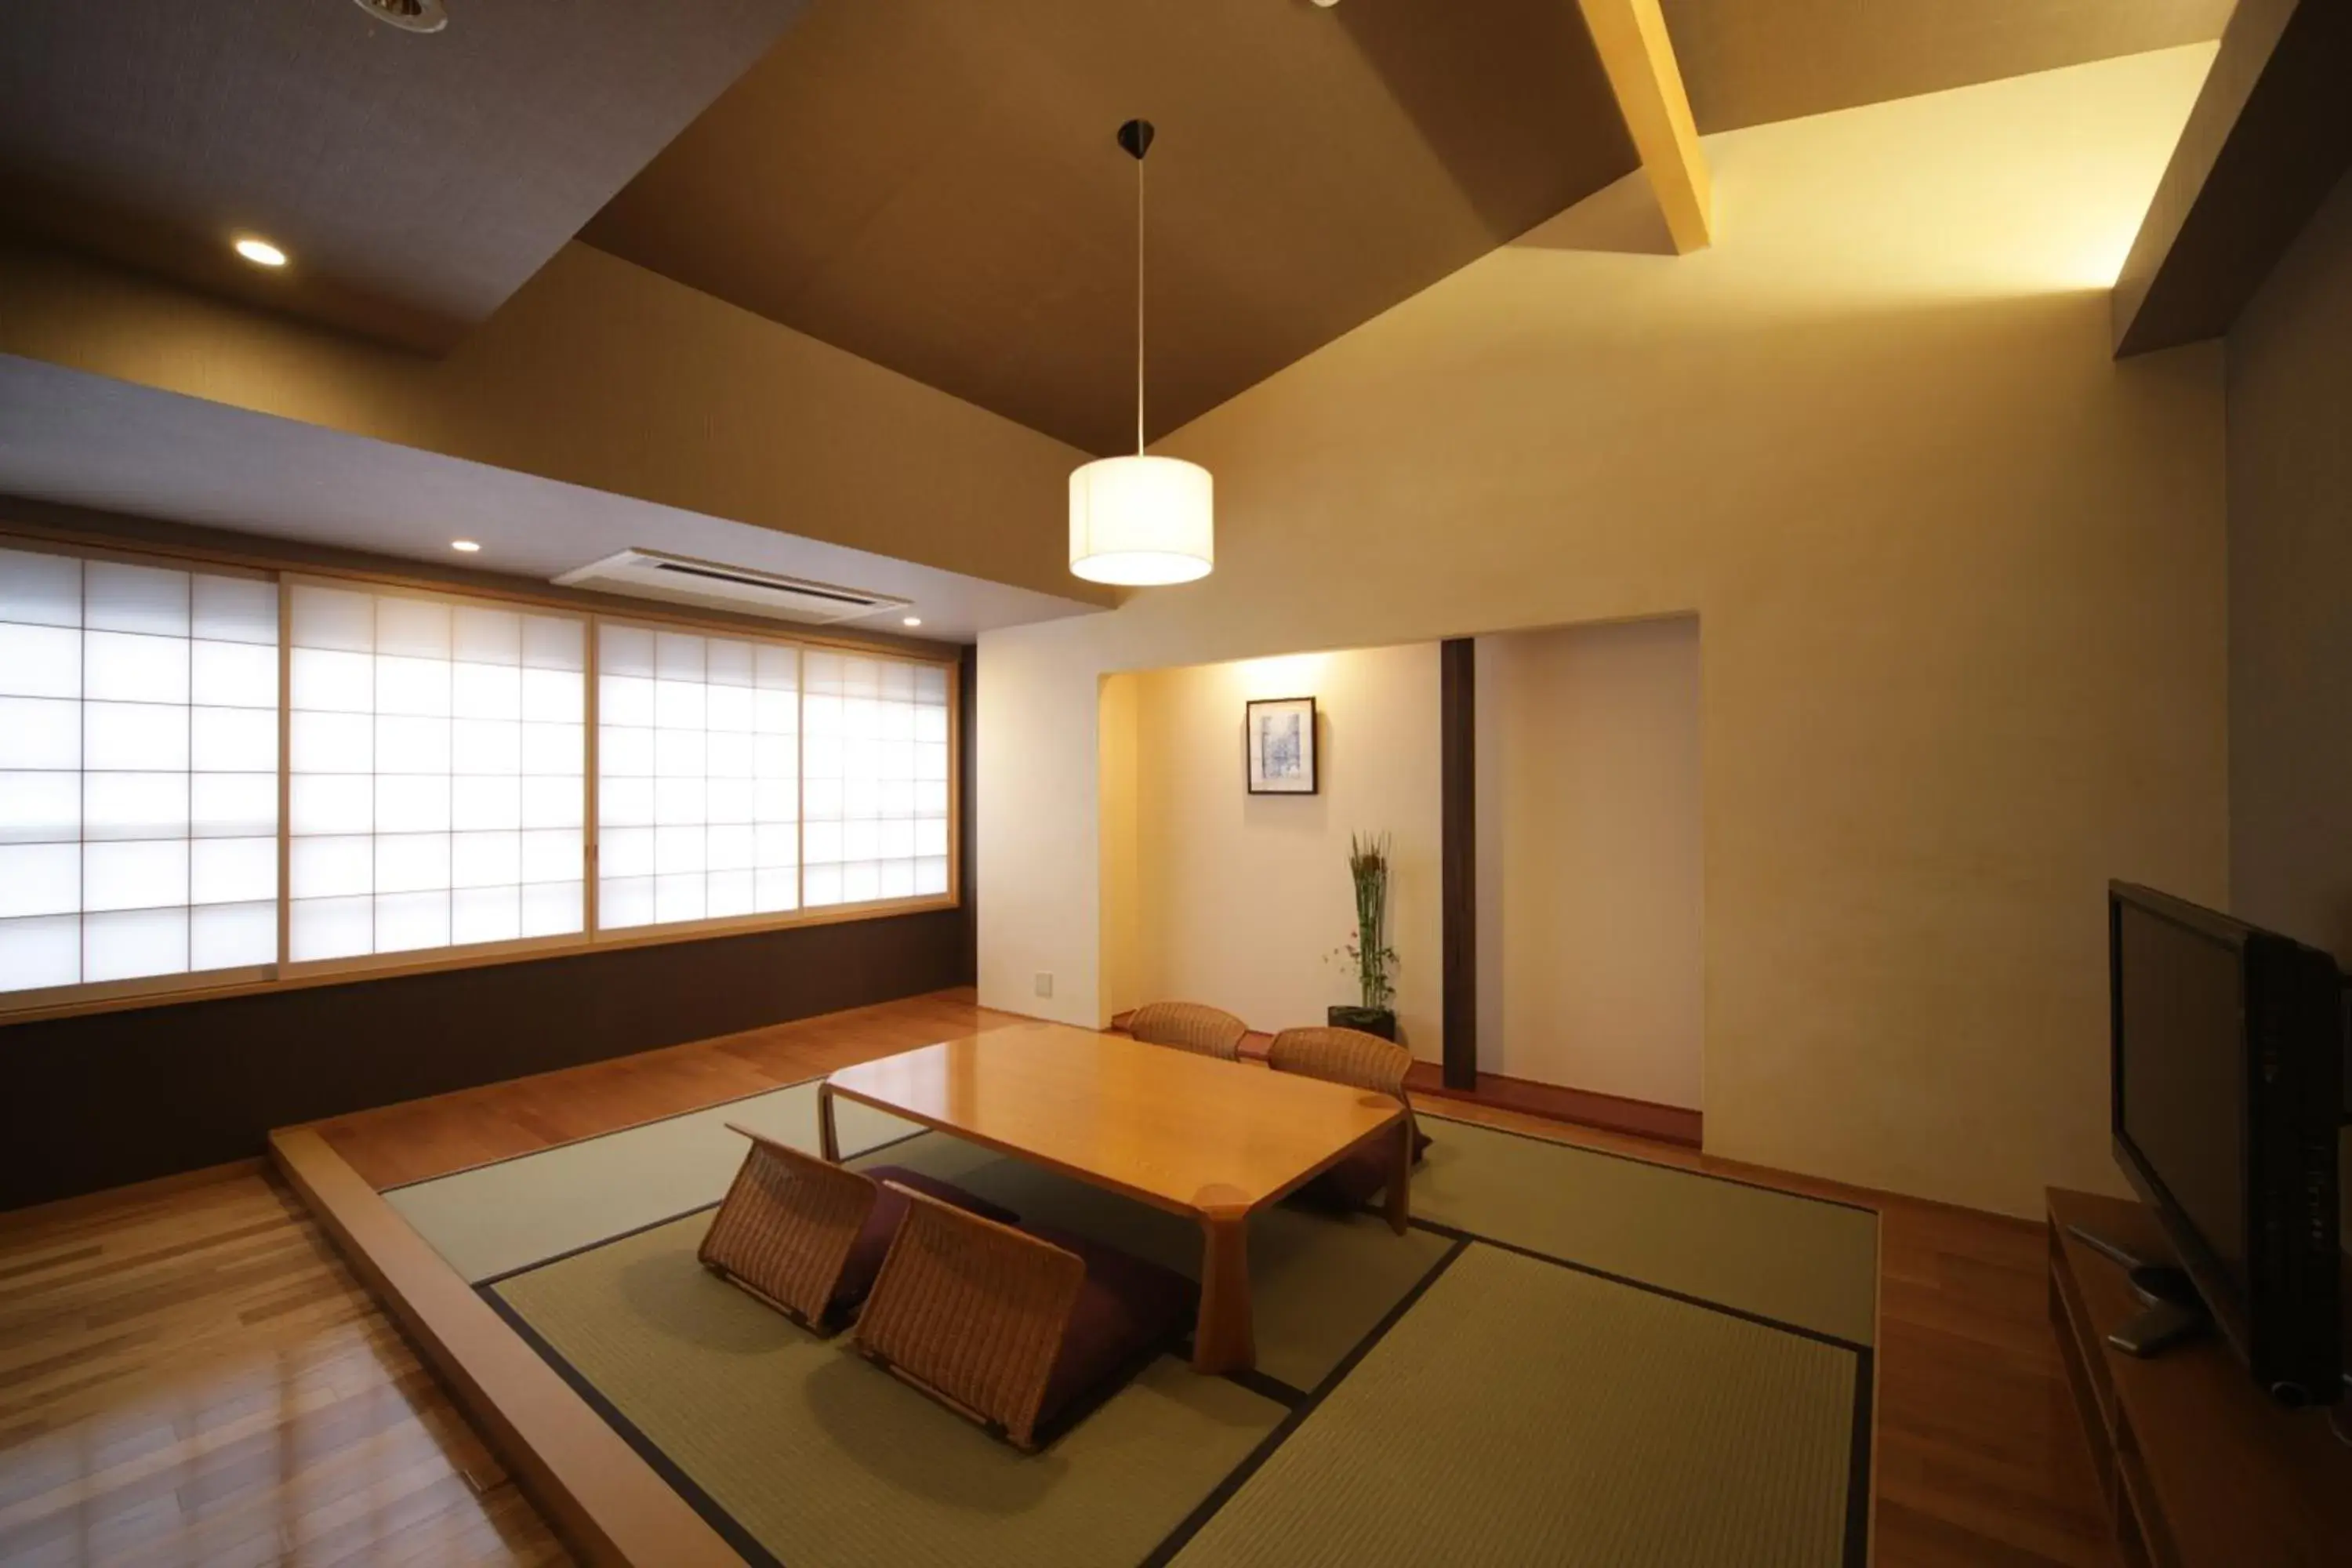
{"points": [[651, 575]]}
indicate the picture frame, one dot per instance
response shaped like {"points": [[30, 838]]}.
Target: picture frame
{"points": [[1278, 750]]}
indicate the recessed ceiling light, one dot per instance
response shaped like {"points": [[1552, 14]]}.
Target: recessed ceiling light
{"points": [[260, 252], [464, 546], [912, 621]]}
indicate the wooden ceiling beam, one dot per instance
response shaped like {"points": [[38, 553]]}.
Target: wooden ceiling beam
{"points": [[2269, 137], [1631, 37]]}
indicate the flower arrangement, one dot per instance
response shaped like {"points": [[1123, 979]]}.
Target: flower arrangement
{"points": [[1366, 951]]}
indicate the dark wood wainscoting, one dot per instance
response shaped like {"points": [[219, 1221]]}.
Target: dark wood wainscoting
{"points": [[103, 1099]]}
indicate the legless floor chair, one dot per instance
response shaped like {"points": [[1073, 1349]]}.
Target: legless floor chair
{"points": [[1023, 1332], [807, 1236]]}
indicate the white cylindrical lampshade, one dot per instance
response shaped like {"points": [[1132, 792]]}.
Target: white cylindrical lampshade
{"points": [[1142, 521]]}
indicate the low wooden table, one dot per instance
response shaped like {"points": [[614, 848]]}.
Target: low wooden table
{"points": [[1206, 1139]]}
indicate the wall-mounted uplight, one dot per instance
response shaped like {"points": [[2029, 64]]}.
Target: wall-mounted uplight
{"points": [[912, 621], [465, 547], [260, 252]]}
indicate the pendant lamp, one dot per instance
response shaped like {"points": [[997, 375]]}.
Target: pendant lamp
{"points": [[1140, 521]]}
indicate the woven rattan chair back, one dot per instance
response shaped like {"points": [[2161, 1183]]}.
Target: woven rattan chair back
{"points": [[973, 1312], [1342, 1055], [1190, 1027], [786, 1228]]}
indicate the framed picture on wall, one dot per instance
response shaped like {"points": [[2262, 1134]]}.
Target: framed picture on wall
{"points": [[1280, 748]]}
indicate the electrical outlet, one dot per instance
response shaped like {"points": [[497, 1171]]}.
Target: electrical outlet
{"points": [[1045, 984]]}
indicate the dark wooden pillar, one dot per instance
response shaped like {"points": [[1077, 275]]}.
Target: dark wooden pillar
{"points": [[1457, 746]]}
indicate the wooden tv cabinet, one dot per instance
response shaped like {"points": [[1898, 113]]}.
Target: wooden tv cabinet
{"points": [[2198, 1466]]}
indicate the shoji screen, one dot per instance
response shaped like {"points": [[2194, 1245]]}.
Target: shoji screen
{"points": [[874, 779], [697, 788], [138, 771], [438, 782]]}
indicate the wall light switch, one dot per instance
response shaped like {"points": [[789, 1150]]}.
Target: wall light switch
{"points": [[1045, 984]]}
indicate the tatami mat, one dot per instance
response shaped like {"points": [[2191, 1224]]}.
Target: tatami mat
{"points": [[1793, 1259], [1523, 1413], [1519, 1379], [498, 1217], [825, 1460]]}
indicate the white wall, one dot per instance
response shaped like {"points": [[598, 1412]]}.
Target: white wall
{"points": [[1592, 967], [1961, 575], [1240, 898]]}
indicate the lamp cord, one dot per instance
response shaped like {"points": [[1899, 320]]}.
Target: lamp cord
{"points": [[1138, 305]]}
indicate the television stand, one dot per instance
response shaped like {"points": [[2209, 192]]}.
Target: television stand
{"points": [[2197, 1465]]}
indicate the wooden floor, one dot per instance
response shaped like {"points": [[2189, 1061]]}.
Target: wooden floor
{"points": [[190, 1378]]}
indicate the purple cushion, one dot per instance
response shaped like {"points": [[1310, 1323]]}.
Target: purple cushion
{"points": [[1126, 1310], [873, 1238]]}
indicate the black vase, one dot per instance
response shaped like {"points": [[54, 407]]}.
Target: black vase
{"points": [[1381, 1021]]}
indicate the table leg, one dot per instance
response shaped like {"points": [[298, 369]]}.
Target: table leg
{"points": [[1400, 1193], [1222, 1338], [827, 1143]]}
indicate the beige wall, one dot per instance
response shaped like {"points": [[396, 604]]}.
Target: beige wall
{"points": [[1591, 962], [2290, 359], [600, 373], [1238, 899], [1961, 575]]}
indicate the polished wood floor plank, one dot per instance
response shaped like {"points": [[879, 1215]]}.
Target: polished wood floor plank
{"points": [[188, 1375]]}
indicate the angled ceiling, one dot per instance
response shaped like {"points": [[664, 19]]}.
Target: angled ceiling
{"points": [[932, 185], [416, 181], [1750, 61]]}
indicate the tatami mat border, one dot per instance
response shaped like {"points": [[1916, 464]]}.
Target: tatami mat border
{"points": [[1638, 1159], [661, 1464]]}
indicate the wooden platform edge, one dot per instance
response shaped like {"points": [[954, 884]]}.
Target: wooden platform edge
{"points": [[608, 1504]]}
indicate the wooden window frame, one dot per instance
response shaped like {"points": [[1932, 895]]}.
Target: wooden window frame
{"points": [[155, 991]]}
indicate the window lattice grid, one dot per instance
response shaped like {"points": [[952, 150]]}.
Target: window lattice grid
{"points": [[436, 779], [138, 771], [697, 785], [874, 779]]}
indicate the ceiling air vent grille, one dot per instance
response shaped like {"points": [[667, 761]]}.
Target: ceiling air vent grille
{"points": [[409, 15], [652, 575]]}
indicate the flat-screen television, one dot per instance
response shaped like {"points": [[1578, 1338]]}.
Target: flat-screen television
{"points": [[2228, 1049]]}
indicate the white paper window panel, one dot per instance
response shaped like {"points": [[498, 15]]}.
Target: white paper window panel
{"points": [[40, 661], [508, 914], [419, 805], [325, 681], [134, 736], [678, 753], [133, 805], [486, 691], [233, 936], [233, 675], [120, 597], [39, 807], [40, 879], [129, 667], [233, 806], [331, 743], [39, 732], [232, 871], [411, 745], [622, 902], [232, 740], [730, 801], [136, 875], [40, 951], [133, 944], [485, 803]]}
